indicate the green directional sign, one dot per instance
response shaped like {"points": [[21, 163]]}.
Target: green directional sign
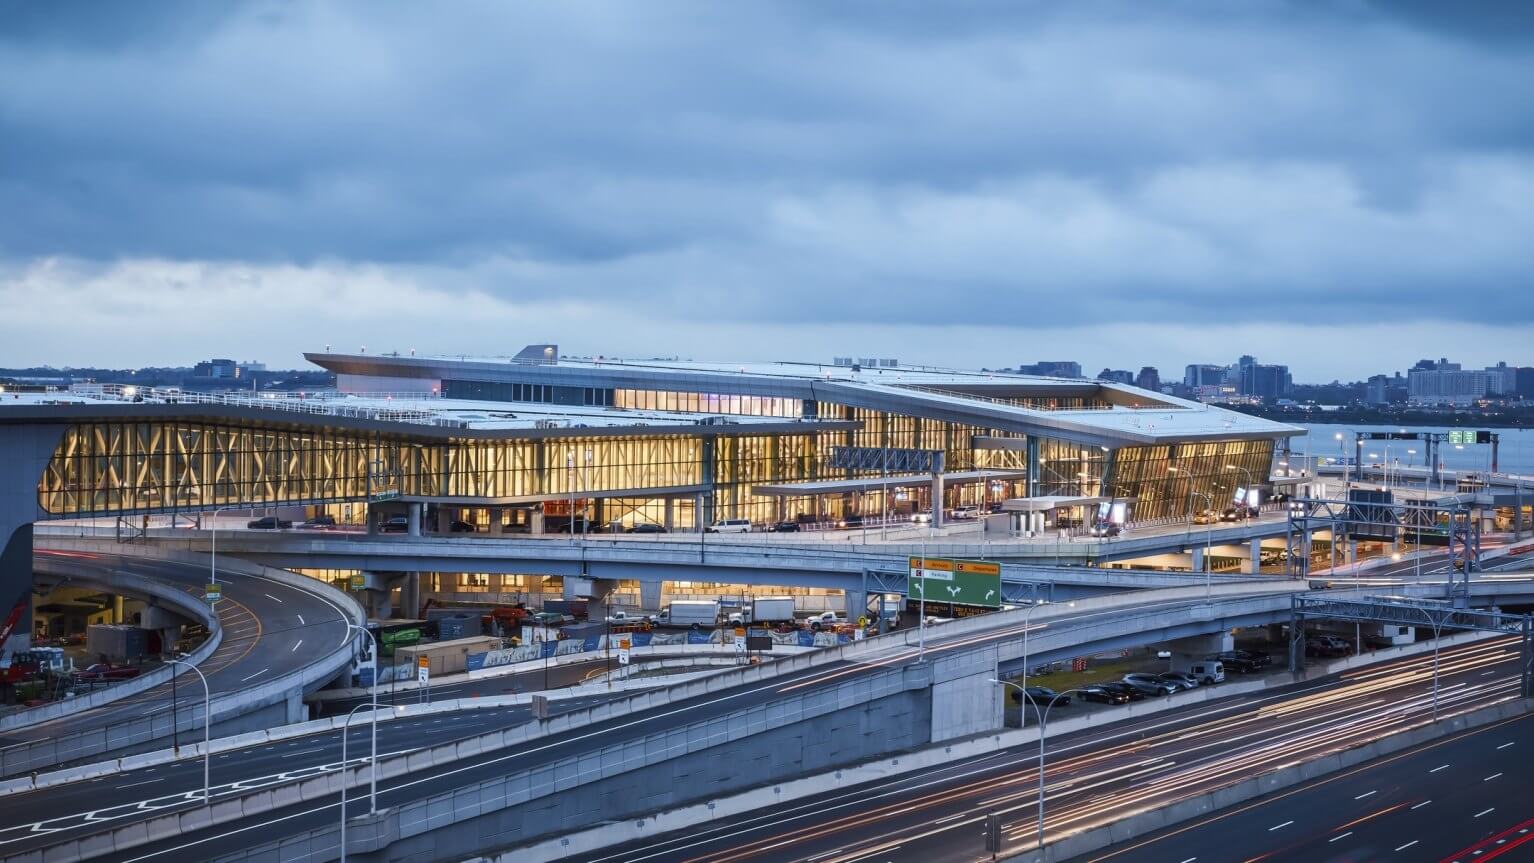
{"points": [[961, 582], [1461, 436]]}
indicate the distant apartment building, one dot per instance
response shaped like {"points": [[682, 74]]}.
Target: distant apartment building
{"points": [[1502, 380], [1148, 379], [1052, 369], [1525, 378], [1377, 390], [1196, 376], [1117, 376], [1262, 381], [1445, 383]]}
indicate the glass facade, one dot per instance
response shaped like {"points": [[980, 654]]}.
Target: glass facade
{"points": [[708, 403], [674, 479]]}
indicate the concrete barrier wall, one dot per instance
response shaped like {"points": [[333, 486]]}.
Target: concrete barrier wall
{"points": [[281, 690], [182, 600], [656, 823], [515, 788]]}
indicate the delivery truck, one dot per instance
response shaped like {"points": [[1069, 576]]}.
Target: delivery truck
{"points": [[690, 614]]}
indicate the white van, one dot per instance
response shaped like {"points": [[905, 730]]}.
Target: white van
{"points": [[1207, 671], [731, 525]]}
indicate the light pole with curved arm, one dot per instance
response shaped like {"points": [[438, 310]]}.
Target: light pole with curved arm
{"points": [[1043, 719], [1437, 634], [207, 726], [373, 761], [346, 726], [213, 542]]}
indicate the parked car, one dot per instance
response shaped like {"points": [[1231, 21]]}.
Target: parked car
{"points": [[106, 671], [1150, 685], [461, 527], [269, 522], [1205, 516], [784, 527], [396, 524], [550, 618], [1243, 661], [1327, 646], [320, 522], [1104, 694], [1206, 672], [1106, 529], [967, 512], [646, 527], [730, 525], [1042, 696], [921, 518], [1134, 693], [1180, 679], [1238, 512], [853, 520]]}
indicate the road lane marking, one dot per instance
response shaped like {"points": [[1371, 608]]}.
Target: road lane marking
{"points": [[1343, 836], [1279, 826], [1407, 845], [257, 674], [1438, 768], [1422, 804], [300, 620], [136, 784], [272, 598], [1485, 812], [297, 646], [1366, 794], [1505, 745], [1491, 777]]}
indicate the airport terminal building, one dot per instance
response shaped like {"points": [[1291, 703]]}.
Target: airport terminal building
{"points": [[677, 443]]}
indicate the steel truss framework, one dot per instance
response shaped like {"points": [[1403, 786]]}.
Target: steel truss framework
{"points": [[1344, 518], [1408, 611]]}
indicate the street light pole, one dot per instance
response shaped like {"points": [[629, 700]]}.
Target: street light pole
{"points": [[1043, 718], [345, 727], [373, 770], [1437, 631], [207, 728]]}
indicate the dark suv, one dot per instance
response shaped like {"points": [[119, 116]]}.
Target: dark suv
{"points": [[269, 522]]}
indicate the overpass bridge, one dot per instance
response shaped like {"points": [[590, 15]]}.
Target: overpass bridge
{"points": [[596, 563], [622, 759]]}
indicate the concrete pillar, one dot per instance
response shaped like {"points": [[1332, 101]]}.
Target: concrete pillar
{"points": [[370, 518], [497, 516], [27, 450], [599, 589], [668, 514], [650, 594], [413, 520], [444, 520], [535, 522], [937, 500], [117, 609], [856, 604], [966, 706], [1255, 563], [1196, 557], [410, 594]]}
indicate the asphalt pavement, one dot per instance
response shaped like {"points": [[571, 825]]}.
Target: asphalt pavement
{"points": [[270, 629], [1093, 777], [320, 812], [1464, 798]]}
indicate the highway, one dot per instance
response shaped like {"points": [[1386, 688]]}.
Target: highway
{"points": [[1093, 777], [1463, 798], [320, 812], [269, 628]]}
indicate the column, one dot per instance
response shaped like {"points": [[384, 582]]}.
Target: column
{"points": [[410, 595], [444, 519], [1197, 559], [496, 516], [650, 594], [1255, 563], [413, 520], [1033, 466], [668, 517], [937, 500], [117, 609], [856, 604]]}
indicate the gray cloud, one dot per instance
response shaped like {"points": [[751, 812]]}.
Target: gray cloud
{"points": [[1028, 165]]}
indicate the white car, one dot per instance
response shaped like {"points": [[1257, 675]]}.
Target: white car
{"points": [[921, 518], [967, 512], [731, 525]]}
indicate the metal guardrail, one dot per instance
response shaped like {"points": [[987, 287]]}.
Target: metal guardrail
{"points": [[314, 404]]}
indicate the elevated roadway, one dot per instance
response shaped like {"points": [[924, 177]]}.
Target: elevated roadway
{"points": [[1094, 777], [281, 636]]}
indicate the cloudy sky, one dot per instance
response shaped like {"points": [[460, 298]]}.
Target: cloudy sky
{"points": [[1345, 187]]}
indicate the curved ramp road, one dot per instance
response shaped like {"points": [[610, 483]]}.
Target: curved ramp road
{"points": [[270, 629]]}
